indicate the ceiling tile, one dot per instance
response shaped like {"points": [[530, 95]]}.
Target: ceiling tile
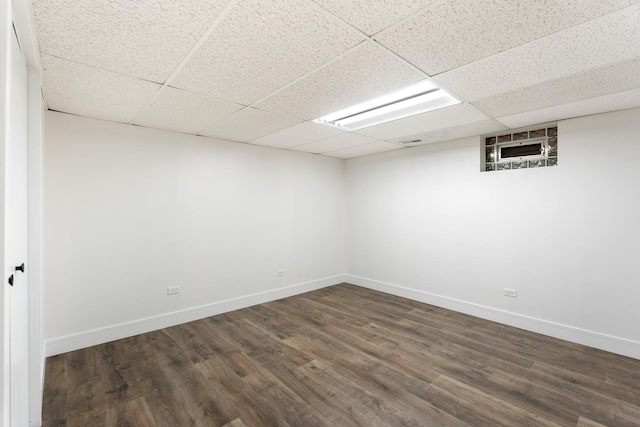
{"points": [[262, 46], [438, 119], [372, 16], [455, 132], [456, 32], [297, 135], [248, 125], [339, 142], [612, 38], [180, 111], [601, 81], [600, 104], [363, 150], [87, 91], [145, 39], [363, 73]]}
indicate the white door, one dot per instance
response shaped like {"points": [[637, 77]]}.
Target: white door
{"points": [[16, 235]]}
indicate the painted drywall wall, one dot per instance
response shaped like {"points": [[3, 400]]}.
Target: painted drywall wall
{"points": [[425, 223], [130, 211]]}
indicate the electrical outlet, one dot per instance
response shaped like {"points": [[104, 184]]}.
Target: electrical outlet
{"points": [[510, 293], [280, 273], [173, 290]]}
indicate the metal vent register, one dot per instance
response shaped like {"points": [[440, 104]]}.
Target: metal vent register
{"points": [[520, 150]]}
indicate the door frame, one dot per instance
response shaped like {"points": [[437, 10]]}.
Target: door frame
{"points": [[19, 13], [5, 40], [17, 234]]}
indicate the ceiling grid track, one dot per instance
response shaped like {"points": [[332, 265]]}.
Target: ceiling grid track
{"points": [[186, 59], [267, 73]]}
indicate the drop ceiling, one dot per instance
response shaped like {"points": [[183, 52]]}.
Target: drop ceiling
{"points": [[258, 71]]}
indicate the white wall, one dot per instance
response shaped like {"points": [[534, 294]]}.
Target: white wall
{"points": [[425, 223], [130, 211]]}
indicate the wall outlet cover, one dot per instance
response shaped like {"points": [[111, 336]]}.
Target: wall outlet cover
{"points": [[510, 293]]}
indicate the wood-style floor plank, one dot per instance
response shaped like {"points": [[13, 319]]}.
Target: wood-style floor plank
{"points": [[341, 356], [54, 398]]}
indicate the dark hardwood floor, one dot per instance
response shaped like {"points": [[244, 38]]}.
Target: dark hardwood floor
{"points": [[341, 356]]}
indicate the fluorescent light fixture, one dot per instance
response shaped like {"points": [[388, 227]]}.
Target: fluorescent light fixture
{"points": [[411, 100]]}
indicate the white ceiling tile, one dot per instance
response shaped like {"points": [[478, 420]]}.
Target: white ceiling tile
{"points": [[297, 135], [249, 124], [612, 38], [438, 119], [525, 62], [600, 104], [87, 91], [618, 77], [145, 39], [455, 132], [339, 142], [456, 32], [372, 16], [363, 73], [262, 46], [363, 150], [180, 111]]}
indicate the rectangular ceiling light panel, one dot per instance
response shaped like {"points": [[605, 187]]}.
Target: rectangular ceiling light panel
{"points": [[411, 100]]}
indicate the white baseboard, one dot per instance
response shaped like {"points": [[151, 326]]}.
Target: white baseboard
{"points": [[111, 333], [598, 340]]}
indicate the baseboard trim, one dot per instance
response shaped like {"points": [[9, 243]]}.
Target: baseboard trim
{"points": [[597, 340], [111, 333]]}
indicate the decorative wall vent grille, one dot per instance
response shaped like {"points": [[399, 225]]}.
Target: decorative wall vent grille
{"points": [[520, 150]]}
